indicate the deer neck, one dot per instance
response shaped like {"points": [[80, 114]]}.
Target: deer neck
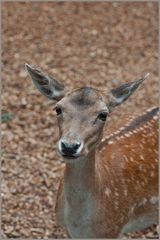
{"points": [[79, 179]]}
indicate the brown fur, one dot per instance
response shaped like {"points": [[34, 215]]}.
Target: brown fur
{"points": [[128, 169]]}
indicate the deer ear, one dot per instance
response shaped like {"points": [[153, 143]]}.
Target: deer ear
{"points": [[48, 86], [122, 93]]}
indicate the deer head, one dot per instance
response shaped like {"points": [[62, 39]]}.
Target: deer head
{"points": [[82, 112]]}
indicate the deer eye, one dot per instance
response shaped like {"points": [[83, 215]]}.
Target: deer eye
{"points": [[58, 110], [102, 116]]}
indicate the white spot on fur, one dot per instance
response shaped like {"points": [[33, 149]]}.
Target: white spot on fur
{"points": [[143, 184], [141, 157], [153, 166], [149, 124], [131, 159], [134, 131], [154, 200], [150, 109], [122, 137], [116, 204], [116, 194], [127, 135], [110, 142], [125, 192], [143, 202], [125, 158], [141, 146], [155, 117], [156, 151], [152, 174], [118, 138], [107, 168], [132, 209], [107, 191]]}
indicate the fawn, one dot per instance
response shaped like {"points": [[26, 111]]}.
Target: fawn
{"points": [[110, 186]]}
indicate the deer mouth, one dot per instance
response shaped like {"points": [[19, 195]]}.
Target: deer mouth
{"points": [[69, 156]]}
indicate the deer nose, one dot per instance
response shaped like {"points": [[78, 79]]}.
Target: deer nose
{"points": [[69, 149]]}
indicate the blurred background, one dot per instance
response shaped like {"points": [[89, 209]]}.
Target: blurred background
{"points": [[97, 44]]}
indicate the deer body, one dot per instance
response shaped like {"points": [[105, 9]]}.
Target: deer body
{"points": [[111, 191], [111, 186]]}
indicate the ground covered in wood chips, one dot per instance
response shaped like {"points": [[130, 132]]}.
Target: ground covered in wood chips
{"points": [[97, 44]]}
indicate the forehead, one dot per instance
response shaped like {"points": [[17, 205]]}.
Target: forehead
{"points": [[84, 98]]}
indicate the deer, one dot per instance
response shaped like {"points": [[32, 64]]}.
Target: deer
{"points": [[110, 184]]}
